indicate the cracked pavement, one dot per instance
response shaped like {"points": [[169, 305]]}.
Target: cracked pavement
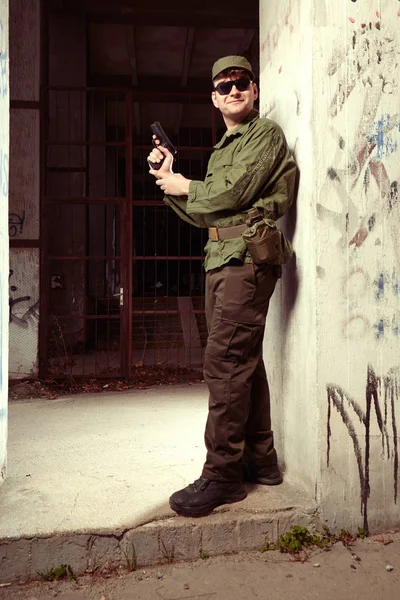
{"points": [[355, 573]]}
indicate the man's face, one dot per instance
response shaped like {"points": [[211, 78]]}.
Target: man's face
{"points": [[236, 104]]}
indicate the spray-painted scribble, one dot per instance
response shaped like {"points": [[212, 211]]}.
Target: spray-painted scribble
{"points": [[370, 60], [381, 137], [382, 396], [376, 292], [3, 65], [359, 198], [386, 283], [290, 21], [16, 223], [21, 319]]}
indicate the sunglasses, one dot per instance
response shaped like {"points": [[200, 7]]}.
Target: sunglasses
{"points": [[225, 87]]}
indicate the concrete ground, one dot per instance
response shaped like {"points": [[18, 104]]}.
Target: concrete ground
{"points": [[369, 570], [89, 478]]}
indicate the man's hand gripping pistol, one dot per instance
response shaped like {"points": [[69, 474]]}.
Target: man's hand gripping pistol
{"points": [[160, 135]]}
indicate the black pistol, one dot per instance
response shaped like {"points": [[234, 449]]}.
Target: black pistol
{"points": [[164, 140]]}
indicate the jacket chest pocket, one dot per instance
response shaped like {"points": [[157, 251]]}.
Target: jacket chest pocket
{"points": [[219, 171], [222, 160]]}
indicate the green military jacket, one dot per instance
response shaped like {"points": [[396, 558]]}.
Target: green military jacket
{"points": [[251, 166]]}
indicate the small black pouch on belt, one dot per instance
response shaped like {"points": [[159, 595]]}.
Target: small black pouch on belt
{"points": [[265, 242]]}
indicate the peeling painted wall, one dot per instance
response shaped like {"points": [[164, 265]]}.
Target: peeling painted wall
{"points": [[4, 153], [348, 269], [23, 217]]}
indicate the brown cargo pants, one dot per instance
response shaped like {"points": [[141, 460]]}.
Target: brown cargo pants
{"points": [[239, 423]]}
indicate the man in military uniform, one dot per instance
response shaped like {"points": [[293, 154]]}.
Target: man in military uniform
{"points": [[251, 167]]}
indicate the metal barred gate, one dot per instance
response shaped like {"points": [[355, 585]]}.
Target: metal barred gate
{"points": [[122, 280]]}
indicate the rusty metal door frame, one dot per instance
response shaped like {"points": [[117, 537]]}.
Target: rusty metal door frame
{"points": [[126, 204], [125, 224]]}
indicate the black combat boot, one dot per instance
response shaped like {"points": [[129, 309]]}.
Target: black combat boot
{"points": [[270, 475], [202, 496]]}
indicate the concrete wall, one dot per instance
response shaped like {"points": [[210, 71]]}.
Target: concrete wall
{"points": [[285, 96], [24, 186], [336, 389], [4, 153]]}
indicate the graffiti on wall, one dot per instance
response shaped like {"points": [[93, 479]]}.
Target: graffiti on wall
{"points": [[381, 290], [288, 21], [23, 305], [16, 223], [3, 65], [31, 308], [362, 188], [382, 396], [366, 196], [370, 61]]}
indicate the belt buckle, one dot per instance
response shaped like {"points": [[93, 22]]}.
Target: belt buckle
{"points": [[213, 234]]}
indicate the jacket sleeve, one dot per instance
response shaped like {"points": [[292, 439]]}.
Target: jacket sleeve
{"points": [[178, 204], [261, 167]]}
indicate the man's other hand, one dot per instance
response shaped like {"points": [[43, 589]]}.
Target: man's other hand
{"points": [[173, 184]]}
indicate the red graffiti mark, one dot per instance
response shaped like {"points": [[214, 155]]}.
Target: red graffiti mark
{"points": [[378, 14], [356, 277], [363, 25], [280, 70], [359, 238], [398, 14], [266, 44], [380, 175], [272, 40], [355, 327], [352, 20]]}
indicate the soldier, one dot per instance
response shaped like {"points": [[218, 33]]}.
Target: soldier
{"points": [[250, 169]]}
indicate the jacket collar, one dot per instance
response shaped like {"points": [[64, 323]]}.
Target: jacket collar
{"points": [[239, 129]]}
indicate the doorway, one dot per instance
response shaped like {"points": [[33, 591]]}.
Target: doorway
{"points": [[122, 282]]}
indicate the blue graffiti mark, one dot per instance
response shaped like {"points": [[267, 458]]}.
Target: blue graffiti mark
{"points": [[3, 67], [380, 329], [3, 75], [380, 283], [395, 327], [395, 284], [380, 137], [3, 173]]}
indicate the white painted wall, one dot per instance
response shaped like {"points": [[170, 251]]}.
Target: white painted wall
{"points": [[4, 153], [338, 383], [24, 187], [285, 96]]}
